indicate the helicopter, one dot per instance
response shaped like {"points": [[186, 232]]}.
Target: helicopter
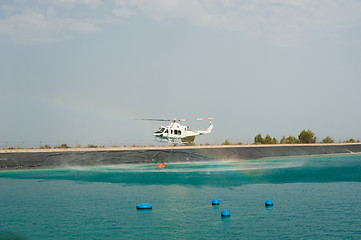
{"points": [[177, 133]]}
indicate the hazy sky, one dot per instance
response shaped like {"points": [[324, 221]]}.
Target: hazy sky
{"points": [[82, 71]]}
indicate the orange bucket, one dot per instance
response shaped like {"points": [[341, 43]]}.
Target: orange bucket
{"points": [[162, 165]]}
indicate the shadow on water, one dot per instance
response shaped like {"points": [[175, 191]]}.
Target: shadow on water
{"points": [[217, 174]]}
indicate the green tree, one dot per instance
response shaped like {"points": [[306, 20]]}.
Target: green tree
{"points": [[291, 140], [328, 139], [268, 139], [45, 147], [226, 142], [64, 145], [258, 139], [307, 137]]}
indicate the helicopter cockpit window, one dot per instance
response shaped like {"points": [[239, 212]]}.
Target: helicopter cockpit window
{"points": [[160, 130]]}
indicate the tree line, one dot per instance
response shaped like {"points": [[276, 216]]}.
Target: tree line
{"points": [[304, 137]]}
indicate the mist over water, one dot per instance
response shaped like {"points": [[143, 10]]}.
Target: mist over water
{"points": [[215, 173], [315, 198]]}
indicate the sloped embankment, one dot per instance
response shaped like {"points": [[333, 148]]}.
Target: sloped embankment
{"points": [[51, 159]]}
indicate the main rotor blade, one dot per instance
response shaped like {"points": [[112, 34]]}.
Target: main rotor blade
{"points": [[154, 119], [175, 120], [195, 119]]}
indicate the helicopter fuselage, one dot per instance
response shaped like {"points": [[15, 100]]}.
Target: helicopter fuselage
{"points": [[176, 132]]}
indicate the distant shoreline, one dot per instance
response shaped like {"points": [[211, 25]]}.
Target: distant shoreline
{"points": [[86, 149]]}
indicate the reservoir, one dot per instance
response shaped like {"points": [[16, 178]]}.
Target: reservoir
{"points": [[315, 197]]}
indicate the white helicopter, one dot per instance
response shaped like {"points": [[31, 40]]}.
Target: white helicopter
{"points": [[176, 133]]}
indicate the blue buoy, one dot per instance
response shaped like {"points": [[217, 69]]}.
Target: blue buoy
{"points": [[215, 202], [144, 206], [225, 213], [269, 203]]}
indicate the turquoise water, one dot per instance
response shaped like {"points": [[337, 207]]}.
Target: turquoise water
{"points": [[314, 198]]}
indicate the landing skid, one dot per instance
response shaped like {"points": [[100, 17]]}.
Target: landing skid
{"points": [[169, 140]]}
